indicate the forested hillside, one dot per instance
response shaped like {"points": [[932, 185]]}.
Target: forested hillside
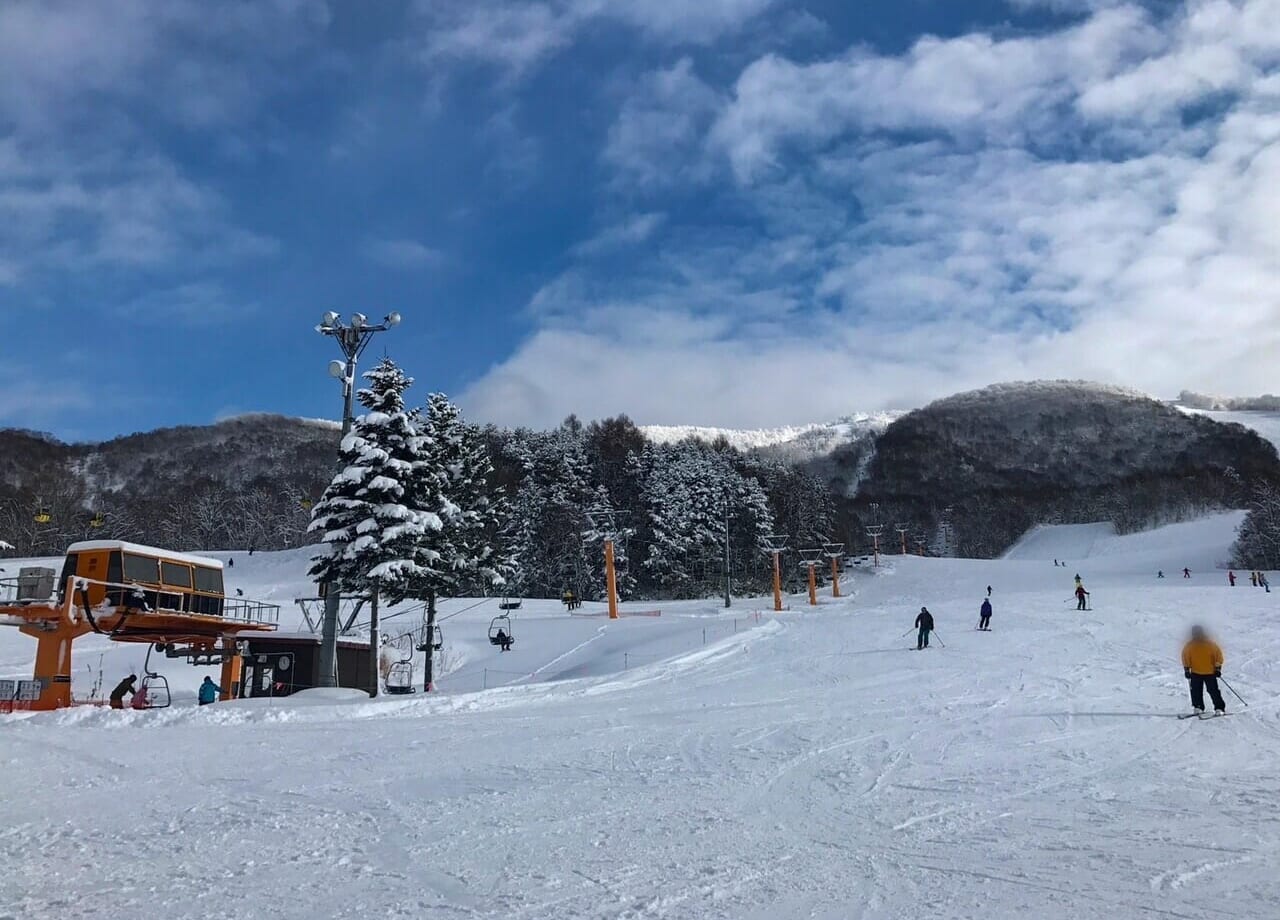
{"points": [[965, 475]]}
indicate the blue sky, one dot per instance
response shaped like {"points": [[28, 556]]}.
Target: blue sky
{"points": [[732, 212]]}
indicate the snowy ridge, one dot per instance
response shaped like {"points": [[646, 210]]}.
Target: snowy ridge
{"points": [[805, 441]]}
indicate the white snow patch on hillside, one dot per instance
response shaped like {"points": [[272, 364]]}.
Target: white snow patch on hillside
{"points": [[1266, 424], [813, 438]]}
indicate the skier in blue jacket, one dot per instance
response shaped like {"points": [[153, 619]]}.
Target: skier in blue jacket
{"points": [[208, 691], [984, 615]]}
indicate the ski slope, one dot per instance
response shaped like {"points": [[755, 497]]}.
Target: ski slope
{"points": [[813, 765]]}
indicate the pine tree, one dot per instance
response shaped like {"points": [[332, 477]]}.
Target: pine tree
{"points": [[463, 552], [379, 512]]}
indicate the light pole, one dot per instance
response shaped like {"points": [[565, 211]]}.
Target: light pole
{"points": [[352, 338]]}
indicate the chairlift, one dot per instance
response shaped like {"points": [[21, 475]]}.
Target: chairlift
{"points": [[501, 624], [97, 521], [155, 687], [508, 604], [42, 515], [436, 643], [400, 678], [306, 504]]}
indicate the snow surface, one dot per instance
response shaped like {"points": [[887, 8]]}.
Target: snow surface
{"points": [[809, 766], [804, 441]]}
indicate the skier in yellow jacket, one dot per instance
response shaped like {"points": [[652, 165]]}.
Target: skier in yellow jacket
{"points": [[1202, 666]]}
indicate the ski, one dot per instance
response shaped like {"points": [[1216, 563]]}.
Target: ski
{"points": [[1205, 716], [1189, 715]]}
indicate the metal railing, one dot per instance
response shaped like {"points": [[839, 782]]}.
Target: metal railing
{"points": [[144, 599]]}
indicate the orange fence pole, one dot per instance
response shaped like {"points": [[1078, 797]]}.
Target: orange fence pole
{"points": [[777, 582], [835, 577], [813, 586], [610, 580]]}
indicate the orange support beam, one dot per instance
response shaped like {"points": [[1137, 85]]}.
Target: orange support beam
{"points": [[610, 580], [835, 577], [231, 669], [777, 581], [813, 585]]}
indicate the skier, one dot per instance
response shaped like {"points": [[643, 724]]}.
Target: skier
{"points": [[988, 590], [504, 641], [568, 599], [1202, 666], [924, 622], [1231, 578], [1262, 577], [1160, 574], [1186, 573], [123, 689], [1082, 601], [139, 699], [208, 691], [1079, 580], [984, 616], [231, 562], [1253, 579]]}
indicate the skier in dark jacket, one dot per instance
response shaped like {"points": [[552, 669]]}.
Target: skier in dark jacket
{"points": [[504, 641], [924, 622], [1082, 598], [984, 620], [123, 689]]}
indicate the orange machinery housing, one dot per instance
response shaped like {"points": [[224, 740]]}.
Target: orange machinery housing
{"points": [[132, 593]]}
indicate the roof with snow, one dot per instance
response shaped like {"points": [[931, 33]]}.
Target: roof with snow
{"points": [[141, 550]]}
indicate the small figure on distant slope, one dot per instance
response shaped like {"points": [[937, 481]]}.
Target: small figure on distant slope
{"points": [[924, 623], [984, 615], [1202, 666], [1079, 580], [1231, 578], [1186, 573], [988, 590], [1160, 574], [1253, 578]]}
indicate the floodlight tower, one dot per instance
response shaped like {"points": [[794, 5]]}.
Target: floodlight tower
{"points": [[775, 545], [352, 338], [834, 552]]}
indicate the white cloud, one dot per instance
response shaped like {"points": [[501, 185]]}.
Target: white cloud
{"points": [[633, 230], [515, 38], [974, 209], [84, 89], [403, 254]]}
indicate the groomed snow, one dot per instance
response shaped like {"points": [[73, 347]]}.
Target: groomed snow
{"points": [[809, 766]]}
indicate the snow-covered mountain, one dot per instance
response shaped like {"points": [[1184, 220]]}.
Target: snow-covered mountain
{"points": [[795, 443]]}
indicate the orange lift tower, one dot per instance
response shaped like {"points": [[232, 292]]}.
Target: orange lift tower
{"points": [[774, 546], [834, 552], [809, 559], [130, 593]]}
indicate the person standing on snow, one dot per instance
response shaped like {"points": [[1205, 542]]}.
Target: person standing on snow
{"points": [[1186, 573], [1082, 602], [208, 691], [1262, 579], [1253, 579], [123, 689], [1160, 574], [1231, 578], [984, 615], [1079, 580], [1202, 666], [924, 623], [988, 590]]}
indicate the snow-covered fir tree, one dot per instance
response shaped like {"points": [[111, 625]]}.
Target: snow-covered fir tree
{"points": [[379, 513], [463, 552]]}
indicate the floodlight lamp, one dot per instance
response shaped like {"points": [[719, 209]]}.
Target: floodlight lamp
{"points": [[330, 320], [358, 320], [337, 370], [393, 319]]}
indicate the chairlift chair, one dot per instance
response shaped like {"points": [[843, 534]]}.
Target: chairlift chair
{"points": [[42, 516], [436, 643], [500, 624], [400, 678], [155, 687], [508, 604], [98, 520]]}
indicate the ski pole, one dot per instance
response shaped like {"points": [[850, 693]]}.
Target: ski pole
{"points": [[939, 638], [1233, 690], [907, 633]]}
